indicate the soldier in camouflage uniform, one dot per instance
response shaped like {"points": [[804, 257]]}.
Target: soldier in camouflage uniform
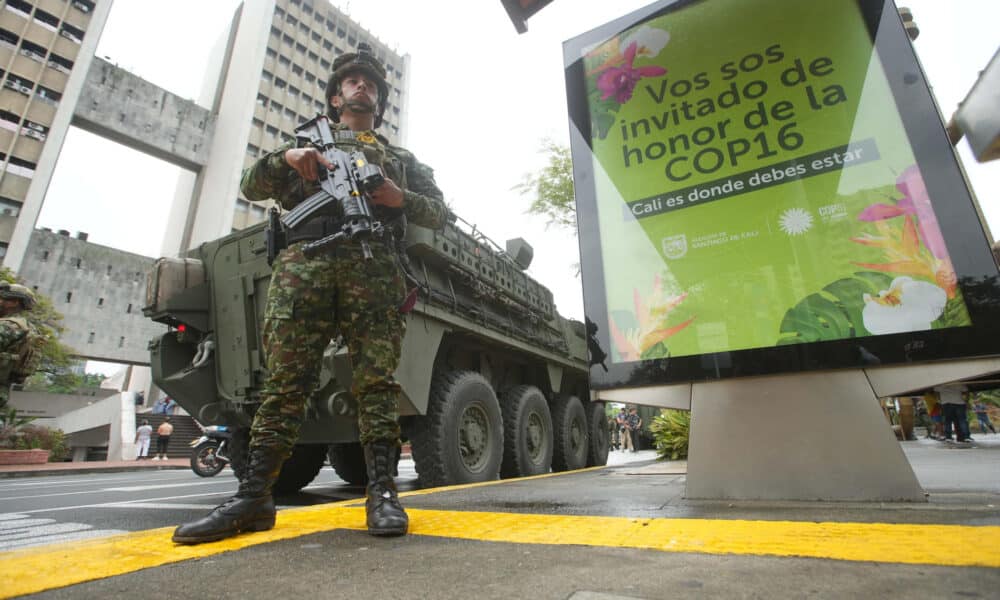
{"points": [[18, 338], [311, 301]]}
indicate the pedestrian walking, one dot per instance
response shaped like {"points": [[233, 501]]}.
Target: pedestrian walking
{"points": [[983, 417], [953, 405], [143, 434], [163, 433], [634, 422], [624, 432]]}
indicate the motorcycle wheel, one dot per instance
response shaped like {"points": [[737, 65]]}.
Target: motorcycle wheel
{"points": [[203, 460]]}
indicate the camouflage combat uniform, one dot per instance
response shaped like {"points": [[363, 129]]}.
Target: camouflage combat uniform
{"points": [[18, 341], [311, 301]]}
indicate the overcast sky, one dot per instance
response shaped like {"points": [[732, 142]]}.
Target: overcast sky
{"points": [[481, 99]]}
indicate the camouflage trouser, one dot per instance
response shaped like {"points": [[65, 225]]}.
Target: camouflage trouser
{"points": [[309, 302]]}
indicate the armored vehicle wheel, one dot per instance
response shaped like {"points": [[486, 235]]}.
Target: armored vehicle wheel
{"points": [[570, 425], [300, 468], [527, 432], [460, 439], [238, 448], [598, 443], [348, 460]]}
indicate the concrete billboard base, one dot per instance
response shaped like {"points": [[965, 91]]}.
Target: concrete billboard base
{"points": [[811, 436]]}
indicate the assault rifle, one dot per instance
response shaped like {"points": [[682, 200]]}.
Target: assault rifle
{"points": [[345, 186]]}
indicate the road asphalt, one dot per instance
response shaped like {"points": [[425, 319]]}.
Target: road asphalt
{"points": [[621, 531]]}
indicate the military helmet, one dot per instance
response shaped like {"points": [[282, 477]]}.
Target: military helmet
{"points": [[364, 61], [16, 291]]}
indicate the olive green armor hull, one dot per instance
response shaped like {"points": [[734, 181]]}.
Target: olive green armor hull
{"points": [[493, 379]]}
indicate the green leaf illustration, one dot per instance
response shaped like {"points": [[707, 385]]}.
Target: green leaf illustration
{"points": [[658, 351], [834, 313], [955, 314]]}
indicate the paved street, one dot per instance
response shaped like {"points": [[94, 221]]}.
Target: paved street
{"points": [[42, 510], [60, 508], [555, 536]]}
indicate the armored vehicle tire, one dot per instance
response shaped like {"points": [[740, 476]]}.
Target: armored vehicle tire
{"points": [[300, 468], [460, 439], [598, 443], [238, 448], [569, 422], [348, 460], [527, 432]]}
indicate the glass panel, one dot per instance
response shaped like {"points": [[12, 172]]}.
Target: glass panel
{"points": [[782, 198]]}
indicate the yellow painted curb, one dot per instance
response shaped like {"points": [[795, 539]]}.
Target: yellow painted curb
{"points": [[36, 569]]}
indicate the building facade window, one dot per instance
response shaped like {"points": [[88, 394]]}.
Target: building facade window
{"points": [[19, 6], [9, 207]]}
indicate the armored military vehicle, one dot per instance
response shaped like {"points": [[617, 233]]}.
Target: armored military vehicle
{"points": [[494, 380]]}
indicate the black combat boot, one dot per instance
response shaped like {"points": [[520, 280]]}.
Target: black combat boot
{"points": [[251, 509], [385, 514]]}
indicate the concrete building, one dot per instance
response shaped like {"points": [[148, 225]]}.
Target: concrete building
{"points": [[46, 47], [267, 76], [100, 292]]}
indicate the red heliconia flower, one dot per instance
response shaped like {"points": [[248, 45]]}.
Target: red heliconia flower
{"points": [[620, 81]]}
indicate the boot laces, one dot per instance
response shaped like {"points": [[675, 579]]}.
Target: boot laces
{"points": [[382, 493]]}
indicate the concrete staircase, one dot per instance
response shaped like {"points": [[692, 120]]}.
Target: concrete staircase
{"points": [[185, 430]]}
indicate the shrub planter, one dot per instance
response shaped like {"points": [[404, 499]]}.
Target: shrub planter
{"points": [[24, 457]]}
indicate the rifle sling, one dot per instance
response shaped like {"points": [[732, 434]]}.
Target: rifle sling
{"points": [[313, 229]]}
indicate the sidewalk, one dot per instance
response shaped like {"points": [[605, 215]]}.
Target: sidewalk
{"points": [[95, 466], [615, 458]]}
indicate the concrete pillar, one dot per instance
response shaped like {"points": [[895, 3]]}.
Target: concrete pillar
{"points": [[208, 213], [810, 436], [121, 439], [141, 380]]}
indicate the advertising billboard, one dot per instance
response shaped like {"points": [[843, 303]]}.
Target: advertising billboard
{"points": [[765, 186]]}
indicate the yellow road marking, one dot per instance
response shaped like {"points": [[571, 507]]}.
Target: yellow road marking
{"points": [[466, 486], [37, 569]]}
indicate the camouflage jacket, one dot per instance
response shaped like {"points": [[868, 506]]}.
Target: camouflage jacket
{"points": [[18, 350], [423, 202]]}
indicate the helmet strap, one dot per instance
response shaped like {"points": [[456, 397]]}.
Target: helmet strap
{"points": [[358, 107]]}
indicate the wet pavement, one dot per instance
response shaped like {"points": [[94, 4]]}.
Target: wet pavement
{"points": [[622, 531]]}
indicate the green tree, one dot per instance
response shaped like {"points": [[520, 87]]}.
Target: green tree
{"points": [[551, 188], [92, 380]]}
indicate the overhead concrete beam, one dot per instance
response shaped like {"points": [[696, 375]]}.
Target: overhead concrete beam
{"points": [[135, 113]]}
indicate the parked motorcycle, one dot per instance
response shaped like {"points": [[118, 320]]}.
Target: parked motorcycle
{"points": [[210, 454]]}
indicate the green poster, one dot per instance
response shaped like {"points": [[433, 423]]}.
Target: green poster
{"points": [[755, 186]]}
